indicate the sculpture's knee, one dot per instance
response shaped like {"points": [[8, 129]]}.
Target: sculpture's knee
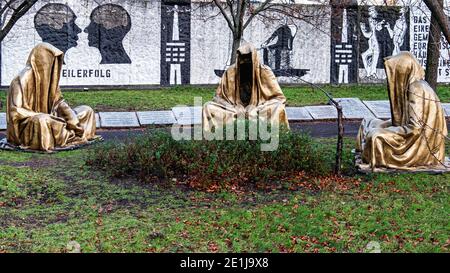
{"points": [[83, 110], [211, 111], [39, 118]]}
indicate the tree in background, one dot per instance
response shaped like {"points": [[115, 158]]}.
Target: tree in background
{"points": [[437, 12], [10, 12], [439, 24], [240, 13]]}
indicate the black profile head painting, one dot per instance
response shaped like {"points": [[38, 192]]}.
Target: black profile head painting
{"points": [[55, 24], [109, 25]]}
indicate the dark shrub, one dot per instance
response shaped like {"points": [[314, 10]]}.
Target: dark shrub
{"points": [[157, 156]]}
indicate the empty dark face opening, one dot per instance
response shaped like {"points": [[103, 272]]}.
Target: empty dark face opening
{"points": [[245, 78]]}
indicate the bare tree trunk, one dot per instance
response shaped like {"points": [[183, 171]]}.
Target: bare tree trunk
{"points": [[433, 51], [437, 12], [239, 26], [236, 44], [18, 11]]}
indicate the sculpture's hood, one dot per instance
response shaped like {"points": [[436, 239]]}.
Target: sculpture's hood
{"points": [[265, 85], [246, 49], [401, 70], [46, 62]]}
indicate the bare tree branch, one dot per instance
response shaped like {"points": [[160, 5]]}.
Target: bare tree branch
{"points": [[230, 5], [18, 9], [240, 13], [224, 13], [257, 11]]}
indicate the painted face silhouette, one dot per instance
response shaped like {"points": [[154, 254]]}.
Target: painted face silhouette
{"points": [[55, 23], [109, 25]]}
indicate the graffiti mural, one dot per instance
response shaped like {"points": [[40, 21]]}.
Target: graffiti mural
{"points": [[383, 31], [105, 42], [398, 31], [344, 44], [278, 48], [55, 24], [278, 51], [420, 25], [106, 31], [175, 42]]}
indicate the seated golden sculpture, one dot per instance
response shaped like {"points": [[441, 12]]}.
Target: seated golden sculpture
{"points": [[38, 118], [247, 89], [415, 136]]}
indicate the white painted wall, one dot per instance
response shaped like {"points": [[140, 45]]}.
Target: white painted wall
{"points": [[212, 42], [210, 45], [142, 44]]}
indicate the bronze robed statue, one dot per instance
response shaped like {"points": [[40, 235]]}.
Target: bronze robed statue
{"points": [[414, 137], [38, 118], [248, 89]]}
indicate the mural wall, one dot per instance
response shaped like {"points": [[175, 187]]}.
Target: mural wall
{"points": [[286, 46], [344, 43], [175, 42], [170, 42], [105, 42], [420, 23], [383, 32]]}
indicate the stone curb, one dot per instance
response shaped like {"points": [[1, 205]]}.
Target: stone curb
{"points": [[353, 108]]}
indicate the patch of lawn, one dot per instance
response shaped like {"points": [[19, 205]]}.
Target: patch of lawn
{"points": [[14, 157], [46, 201], [166, 98]]}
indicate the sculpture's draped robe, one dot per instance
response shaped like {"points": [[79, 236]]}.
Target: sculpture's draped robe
{"points": [[415, 135], [37, 116], [267, 101]]}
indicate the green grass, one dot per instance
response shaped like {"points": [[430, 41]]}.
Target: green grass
{"points": [[166, 98], [48, 200]]}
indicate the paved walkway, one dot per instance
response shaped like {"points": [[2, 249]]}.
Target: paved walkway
{"points": [[353, 108], [315, 129]]}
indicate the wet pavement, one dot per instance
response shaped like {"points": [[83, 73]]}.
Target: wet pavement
{"points": [[315, 129]]}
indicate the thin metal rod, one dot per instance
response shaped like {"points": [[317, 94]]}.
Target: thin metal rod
{"points": [[340, 122]]}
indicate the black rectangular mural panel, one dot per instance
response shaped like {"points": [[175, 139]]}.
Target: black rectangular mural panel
{"points": [[175, 42], [384, 32], [344, 43]]}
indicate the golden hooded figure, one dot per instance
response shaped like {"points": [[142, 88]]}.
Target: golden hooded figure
{"points": [[247, 89], [414, 138], [38, 118]]}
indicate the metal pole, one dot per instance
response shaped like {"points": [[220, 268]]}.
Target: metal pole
{"points": [[340, 121], [340, 140]]}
